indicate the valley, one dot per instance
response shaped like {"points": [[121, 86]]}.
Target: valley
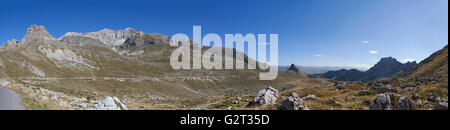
{"points": [[130, 70]]}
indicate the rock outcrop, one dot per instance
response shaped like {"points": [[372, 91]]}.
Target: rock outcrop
{"points": [[441, 105], [389, 101], [293, 102], [110, 37], [405, 103], [382, 102], [5, 83], [110, 103], [293, 68], [35, 32], [267, 96], [310, 97]]}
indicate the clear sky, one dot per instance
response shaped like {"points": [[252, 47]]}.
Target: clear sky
{"points": [[311, 32]]}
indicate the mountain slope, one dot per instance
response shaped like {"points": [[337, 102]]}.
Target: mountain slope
{"points": [[295, 71], [117, 63], [436, 64]]}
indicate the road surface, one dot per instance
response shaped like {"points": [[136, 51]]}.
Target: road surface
{"points": [[10, 100]]}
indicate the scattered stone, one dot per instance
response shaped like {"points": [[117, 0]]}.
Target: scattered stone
{"points": [[340, 87], [82, 105], [293, 102], [202, 108], [353, 98], [364, 92], [426, 102], [332, 101], [229, 108], [432, 97], [419, 103], [443, 86], [310, 97], [380, 89], [409, 89], [415, 96]]}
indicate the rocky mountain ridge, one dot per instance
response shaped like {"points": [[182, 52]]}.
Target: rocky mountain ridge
{"points": [[386, 67], [127, 64]]}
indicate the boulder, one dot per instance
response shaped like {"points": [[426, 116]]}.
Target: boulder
{"points": [[201, 108], [382, 102], [364, 92], [409, 89], [267, 96], [352, 98], [110, 103], [293, 102], [310, 97], [229, 108], [236, 101], [405, 103], [419, 103], [5, 83], [340, 87], [432, 97], [415, 96], [441, 105]]}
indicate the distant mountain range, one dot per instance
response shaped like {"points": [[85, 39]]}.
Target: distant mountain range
{"points": [[386, 67], [320, 69]]}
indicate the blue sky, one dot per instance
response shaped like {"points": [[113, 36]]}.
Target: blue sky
{"points": [[311, 32]]}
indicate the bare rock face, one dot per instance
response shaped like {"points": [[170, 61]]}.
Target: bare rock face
{"points": [[35, 32], [110, 37], [293, 102], [110, 103], [267, 96]]}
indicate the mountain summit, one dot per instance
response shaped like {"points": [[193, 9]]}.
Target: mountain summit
{"points": [[386, 67], [36, 32], [293, 68]]}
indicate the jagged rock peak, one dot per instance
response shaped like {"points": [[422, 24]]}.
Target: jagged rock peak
{"points": [[36, 32], [109, 36], [293, 68]]}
